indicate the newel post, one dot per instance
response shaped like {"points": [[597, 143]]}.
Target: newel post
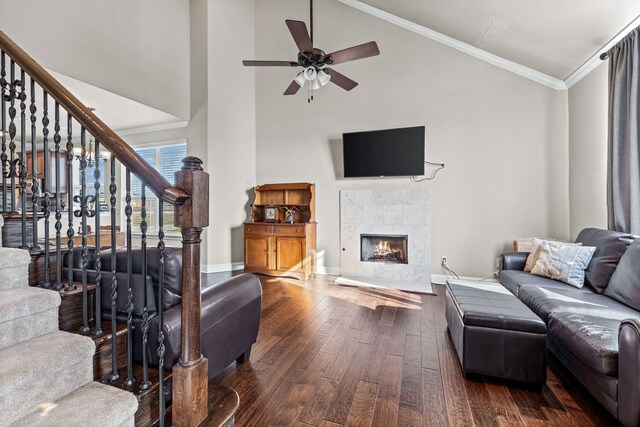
{"points": [[190, 374]]}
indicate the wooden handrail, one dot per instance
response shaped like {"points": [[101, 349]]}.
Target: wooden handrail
{"points": [[96, 127]]}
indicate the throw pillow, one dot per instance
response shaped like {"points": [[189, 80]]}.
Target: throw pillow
{"points": [[610, 246], [533, 255], [535, 252], [563, 262], [624, 285]]}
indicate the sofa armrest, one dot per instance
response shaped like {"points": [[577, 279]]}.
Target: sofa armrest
{"points": [[172, 336], [513, 260], [629, 372]]}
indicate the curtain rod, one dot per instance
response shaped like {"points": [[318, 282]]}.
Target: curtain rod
{"points": [[605, 55]]}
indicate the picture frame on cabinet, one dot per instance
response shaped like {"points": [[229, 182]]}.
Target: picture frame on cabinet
{"points": [[270, 213]]}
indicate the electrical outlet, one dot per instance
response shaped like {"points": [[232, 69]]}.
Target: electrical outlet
{"points": [[497, 262], [444, 261]]}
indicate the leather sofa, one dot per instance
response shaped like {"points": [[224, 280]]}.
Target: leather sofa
{"points": [[594, 331], [230, 310]]}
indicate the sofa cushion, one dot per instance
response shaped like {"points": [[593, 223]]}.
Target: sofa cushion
{"points": [[594, 340], [610, 246], [172, 269], [545, 301], [624, 285], [515, 279]]}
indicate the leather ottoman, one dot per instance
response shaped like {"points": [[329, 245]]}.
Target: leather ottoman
{"points": [[494, 333]]}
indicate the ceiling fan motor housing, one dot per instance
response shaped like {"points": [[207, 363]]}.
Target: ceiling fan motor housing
{"points": [[317, 59]]}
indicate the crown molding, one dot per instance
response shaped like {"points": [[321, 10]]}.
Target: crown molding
{"points": [[468, 49], [593, 62], [152, 128]]}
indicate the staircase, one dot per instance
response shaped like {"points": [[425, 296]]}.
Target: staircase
{"points": [[46, 375]]}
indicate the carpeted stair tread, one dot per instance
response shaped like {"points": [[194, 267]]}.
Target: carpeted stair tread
{"points": [[14, 268], [12, 257], [43, 369], [27, 313], [16, 303], [93, 404]]}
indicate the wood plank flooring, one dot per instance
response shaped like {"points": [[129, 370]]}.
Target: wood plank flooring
{"points": [[335, 356]]}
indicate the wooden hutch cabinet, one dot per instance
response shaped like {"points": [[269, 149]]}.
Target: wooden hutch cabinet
{"points": [[273, 246]]}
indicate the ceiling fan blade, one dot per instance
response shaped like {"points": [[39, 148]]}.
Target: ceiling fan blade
{"points": [[356, 52], [340, 79], [300, 35], [247, 63], [292, 89]]}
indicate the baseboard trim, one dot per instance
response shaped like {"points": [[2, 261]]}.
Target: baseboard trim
{"points": [[330, 271], [219, 268], [441, 279]]}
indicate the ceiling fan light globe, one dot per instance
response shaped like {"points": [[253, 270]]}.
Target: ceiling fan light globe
{"points": [[310, 73], [315, 85], [323, 77], [300, 79]]}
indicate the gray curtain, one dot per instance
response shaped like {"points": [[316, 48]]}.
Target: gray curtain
{"points": [[623, 198]]}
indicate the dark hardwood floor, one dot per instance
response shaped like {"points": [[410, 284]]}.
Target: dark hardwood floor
{"points": [[331, 356]]}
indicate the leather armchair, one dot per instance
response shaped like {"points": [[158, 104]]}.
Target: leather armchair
{"points": [[229, 315], [629, 372]]}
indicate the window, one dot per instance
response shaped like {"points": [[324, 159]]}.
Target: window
{"points": [[167, 160]]}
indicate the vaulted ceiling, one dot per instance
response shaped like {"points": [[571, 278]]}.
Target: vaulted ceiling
{"points": [[550, 36]]}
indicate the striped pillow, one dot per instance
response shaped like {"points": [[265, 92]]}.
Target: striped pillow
{"points": [[565, 263], [535, 251]]}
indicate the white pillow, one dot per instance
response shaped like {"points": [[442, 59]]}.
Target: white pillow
{"points": [[562, 262]]}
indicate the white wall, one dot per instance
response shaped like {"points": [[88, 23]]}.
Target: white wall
{"points": [[138, 49], [231, 139], [504, 139], [588, 103]]}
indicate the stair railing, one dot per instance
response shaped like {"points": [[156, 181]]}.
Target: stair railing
{"points": [[49, 175]]}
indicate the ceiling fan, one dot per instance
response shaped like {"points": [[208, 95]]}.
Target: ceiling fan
{"points": [[315, 61]]}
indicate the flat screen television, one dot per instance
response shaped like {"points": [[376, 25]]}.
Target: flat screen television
{"points": [[380, 153]]}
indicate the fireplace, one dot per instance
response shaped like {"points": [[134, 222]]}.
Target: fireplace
{"points": [[393, 213], [383, 248]]}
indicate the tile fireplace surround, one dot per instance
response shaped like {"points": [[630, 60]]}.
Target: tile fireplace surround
{"points": [[393, 211]]}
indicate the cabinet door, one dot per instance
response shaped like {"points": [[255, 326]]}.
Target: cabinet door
{"points": [[289, 254], [256, 251]]}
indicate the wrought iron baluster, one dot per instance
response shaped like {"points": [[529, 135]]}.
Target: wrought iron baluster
{"points": [[98, 264], [56, 139], [70, 230], [130, 380], [114, 281], [161, 349], [12, 135], [46, 173], [22, 96], [3, 118], [145, 384], [34, 166], [83, 212]]}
